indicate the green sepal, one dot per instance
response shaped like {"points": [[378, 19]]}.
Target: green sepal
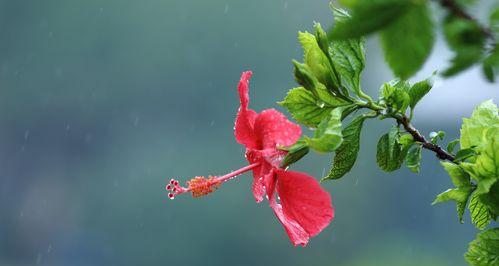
{"points": [[295, 152]]}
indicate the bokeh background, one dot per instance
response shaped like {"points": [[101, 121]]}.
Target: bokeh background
{"points": [[102, 101]]}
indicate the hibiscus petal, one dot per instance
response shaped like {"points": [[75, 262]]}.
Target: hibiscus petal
{"points": [[304, 200], [243, 89], [296, 233], [273, 129], [270, 181], [245, 119], [260, 174]]}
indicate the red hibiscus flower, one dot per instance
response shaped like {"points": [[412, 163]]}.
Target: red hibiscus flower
{"points": [[304, 208]]}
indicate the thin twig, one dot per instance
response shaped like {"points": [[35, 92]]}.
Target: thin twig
{"points": [[405, 122], [439, 151], [457, 11]]}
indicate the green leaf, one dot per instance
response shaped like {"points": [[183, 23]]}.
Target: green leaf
{"points": [[466, 39], [461, 180], [386, 91], [491, 64], [494, 22], [406, 140], [462, 34], [435, 136], [460, 209], [464, 154], [327, 137], [389, 154], [459, 177], [408, 41], [487, 162], [346, 154], [419, 90], [491, 200], [452, 145], [462, 61], [316, 60], [484, 116], [395, 95], [306, 108], [367, 17], [348, 3], [455, 194], [464, 3], [460, 195], [304, 76], [485, 170], [321, 37], [348, 59], [484, 250], [340, 15], [479, 213], [348, 109], [295, 152], [413, 159]]}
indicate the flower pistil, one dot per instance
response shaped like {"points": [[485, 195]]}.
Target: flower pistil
{"points": [[201, 186]]}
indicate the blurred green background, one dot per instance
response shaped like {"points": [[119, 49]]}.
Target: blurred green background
{"points": [[102, 101]]}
